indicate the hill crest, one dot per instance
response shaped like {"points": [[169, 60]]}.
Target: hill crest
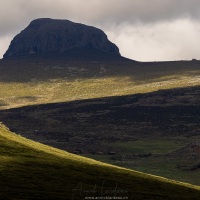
{"points": [[28, 166]]}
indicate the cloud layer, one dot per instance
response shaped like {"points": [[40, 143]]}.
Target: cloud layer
{"points": [[175, 40], [143, 29]]}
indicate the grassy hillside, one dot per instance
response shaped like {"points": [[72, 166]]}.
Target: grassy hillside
{"points": [[30, 170], [40, 80]]}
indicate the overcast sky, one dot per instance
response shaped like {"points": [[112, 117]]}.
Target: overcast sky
{"points": [[145, 30]]}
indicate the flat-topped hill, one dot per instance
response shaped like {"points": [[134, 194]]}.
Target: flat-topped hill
{"points": [[52, 35]]}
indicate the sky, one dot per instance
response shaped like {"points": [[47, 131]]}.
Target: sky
{"points": [[144, 30]]}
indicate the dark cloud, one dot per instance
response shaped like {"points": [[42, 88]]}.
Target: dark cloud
{"points": [[15, 14]]}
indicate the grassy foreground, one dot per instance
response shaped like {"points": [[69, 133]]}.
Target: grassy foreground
{"points": [[30, 170]]}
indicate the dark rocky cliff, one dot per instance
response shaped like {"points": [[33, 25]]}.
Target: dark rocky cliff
{"points": [[50, 35]]}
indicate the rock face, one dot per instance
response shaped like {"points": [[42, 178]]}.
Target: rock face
{"points": [[50, 35]]}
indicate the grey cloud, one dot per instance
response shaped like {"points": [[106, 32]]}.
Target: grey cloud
{"points": [[15, 14], [175, 40]]}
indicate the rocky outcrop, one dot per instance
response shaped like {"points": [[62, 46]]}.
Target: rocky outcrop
{"points": [[50, 35]]}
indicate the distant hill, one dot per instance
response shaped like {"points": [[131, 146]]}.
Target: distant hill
{"points": [[58, 36], [30, 170]]}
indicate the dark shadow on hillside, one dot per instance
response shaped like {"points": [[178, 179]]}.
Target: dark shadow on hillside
{"points": [[90, 65], [81, 125]]}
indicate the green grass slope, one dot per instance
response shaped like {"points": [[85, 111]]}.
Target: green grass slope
{"points": [[41, 80], [30, 170]]}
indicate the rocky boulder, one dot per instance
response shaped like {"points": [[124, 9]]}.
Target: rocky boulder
{"points": [[52, 35]]}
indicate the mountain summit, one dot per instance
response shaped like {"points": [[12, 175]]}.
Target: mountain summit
{"points": [[52, 35]]}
